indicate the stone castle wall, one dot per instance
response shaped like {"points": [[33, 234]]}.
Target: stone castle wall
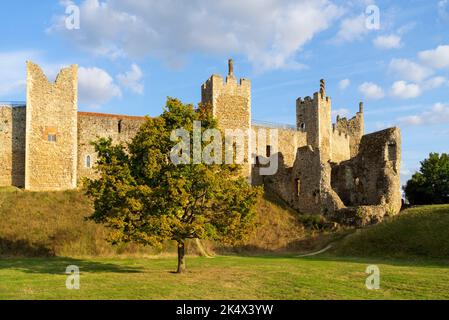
{"points": [[51, 130], [341, 146], [289, 140], [354, 128], [92, 126], [373, 176], [12, 146]]}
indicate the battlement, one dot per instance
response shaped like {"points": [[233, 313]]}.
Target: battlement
{"points": [[312, 101], [216, 81], [317, 96]]}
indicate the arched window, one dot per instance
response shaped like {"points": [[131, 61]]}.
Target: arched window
{"points": [[119, 126], [302, 126], [88, 162]]}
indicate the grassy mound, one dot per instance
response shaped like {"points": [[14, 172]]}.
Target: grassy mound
{"points": [[53, 224], [421, 232]]}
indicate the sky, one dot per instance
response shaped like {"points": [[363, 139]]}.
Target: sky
{"points": [[132, 54]]}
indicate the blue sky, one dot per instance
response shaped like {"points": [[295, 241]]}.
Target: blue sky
{"points": [[133, 54]]}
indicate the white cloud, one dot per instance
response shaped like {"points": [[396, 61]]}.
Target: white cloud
{"points": [[13, 72], [438, 114], [343, 112], [371, 91], [268, 33], [131, 79], [409, 70], [435, 82], [443, 9], [12, 78], [387, 42], [96, 86], [344, 83], [351, 29], [437, 58], [404, 90]]}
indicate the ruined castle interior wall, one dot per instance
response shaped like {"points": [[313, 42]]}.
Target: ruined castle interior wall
{"points": [[288, 142], [231, 104], [373, 176], [354, 128], [51, 135], [298, 185], [12, 146], [92, 126], [341, 150]]}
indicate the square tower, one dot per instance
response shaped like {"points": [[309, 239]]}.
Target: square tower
{"points": [[231, 106], [51, 130], [313, 116]]}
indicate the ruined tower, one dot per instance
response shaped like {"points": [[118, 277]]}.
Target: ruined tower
{"points": [[231, 105], [51, 130]]}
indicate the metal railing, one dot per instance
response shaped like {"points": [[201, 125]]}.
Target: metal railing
{"points": [[275, 125], [13, 103]]}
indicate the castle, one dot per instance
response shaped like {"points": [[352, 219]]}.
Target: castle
{"points": [[324, 168]]}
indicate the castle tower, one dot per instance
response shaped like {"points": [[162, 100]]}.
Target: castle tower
{"points": [[51, 130], [231, 105], [313, 116]]}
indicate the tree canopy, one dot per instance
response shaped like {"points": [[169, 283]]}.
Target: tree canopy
{"points": [[431, 184], [146, 198]]}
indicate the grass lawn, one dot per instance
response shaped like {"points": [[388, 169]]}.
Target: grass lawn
{"points": [[223, 278]]}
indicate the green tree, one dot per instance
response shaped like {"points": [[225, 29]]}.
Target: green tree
{"points": [[145, 198], [431, 184]]}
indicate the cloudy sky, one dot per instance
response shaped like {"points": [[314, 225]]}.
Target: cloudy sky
{"points": [[132, 54]]}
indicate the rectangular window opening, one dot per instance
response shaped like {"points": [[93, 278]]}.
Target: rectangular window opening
{"points": [[268, 151], [51, 138], [298, 186]]}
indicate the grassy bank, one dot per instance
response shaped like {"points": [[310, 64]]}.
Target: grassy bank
{"points": [[53, 224], [420, 232]]}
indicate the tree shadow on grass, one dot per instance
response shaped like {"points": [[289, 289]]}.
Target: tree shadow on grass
{"points": [[40, 259], [58, 265]]}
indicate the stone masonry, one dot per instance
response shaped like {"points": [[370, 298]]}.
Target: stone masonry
{"points": [[323, 168]]}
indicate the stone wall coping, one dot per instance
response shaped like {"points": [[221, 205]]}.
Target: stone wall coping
{"points": [[114, 116]]}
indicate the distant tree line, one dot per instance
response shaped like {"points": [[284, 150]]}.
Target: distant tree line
{"points": [[430, 185]]}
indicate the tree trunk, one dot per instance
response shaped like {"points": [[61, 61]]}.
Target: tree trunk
{"points": [[181, 257]]}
